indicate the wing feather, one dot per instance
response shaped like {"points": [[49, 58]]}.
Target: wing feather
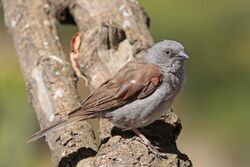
{"points": [[136, 80]]}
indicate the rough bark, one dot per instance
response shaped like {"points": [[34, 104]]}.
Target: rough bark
{"points": [[112, 33], [50, 81]]}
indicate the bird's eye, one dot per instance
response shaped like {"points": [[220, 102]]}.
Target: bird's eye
{"points": [[168, 52]]}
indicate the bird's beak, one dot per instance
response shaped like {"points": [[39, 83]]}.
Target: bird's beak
{"points": [[183, 55]]}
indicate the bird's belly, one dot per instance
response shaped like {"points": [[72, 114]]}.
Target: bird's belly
{"points": [[142, 112]]}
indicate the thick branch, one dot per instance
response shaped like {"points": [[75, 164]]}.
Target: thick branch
{"points": [[50, 81]]}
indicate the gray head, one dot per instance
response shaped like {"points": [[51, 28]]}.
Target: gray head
{"points": [[167, 53]]}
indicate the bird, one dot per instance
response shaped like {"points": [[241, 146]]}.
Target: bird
{"points": [[141, 92]]}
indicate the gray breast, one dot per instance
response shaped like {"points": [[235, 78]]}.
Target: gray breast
{"points": [[142, 112]]}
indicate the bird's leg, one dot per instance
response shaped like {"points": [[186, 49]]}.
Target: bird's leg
{"points": [[146, 142], [142, 137]]}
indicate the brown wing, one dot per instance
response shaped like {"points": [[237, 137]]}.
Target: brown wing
{"points": [[136, 80]]}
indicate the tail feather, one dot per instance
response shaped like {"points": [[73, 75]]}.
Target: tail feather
{"points": [[55, 126]]}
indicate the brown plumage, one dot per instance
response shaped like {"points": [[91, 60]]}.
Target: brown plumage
{"points": [[136, 80]]}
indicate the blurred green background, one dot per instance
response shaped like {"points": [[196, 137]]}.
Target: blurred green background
{"points": [[214, 106]]}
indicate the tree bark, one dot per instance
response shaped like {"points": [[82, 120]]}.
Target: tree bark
{"points": [[112, 32]]}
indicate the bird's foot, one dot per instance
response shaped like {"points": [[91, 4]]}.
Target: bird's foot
{"points": [[147, 143]]}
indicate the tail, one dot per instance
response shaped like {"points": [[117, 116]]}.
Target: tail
{"points": [[56, 126]]}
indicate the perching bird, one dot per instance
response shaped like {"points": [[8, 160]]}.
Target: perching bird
{"points": [[138, 94]]}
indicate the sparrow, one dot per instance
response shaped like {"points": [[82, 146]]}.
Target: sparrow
{"points": [[141, 92]]}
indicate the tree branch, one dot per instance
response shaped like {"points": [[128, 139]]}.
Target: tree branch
{"points": [[49, 78]]}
